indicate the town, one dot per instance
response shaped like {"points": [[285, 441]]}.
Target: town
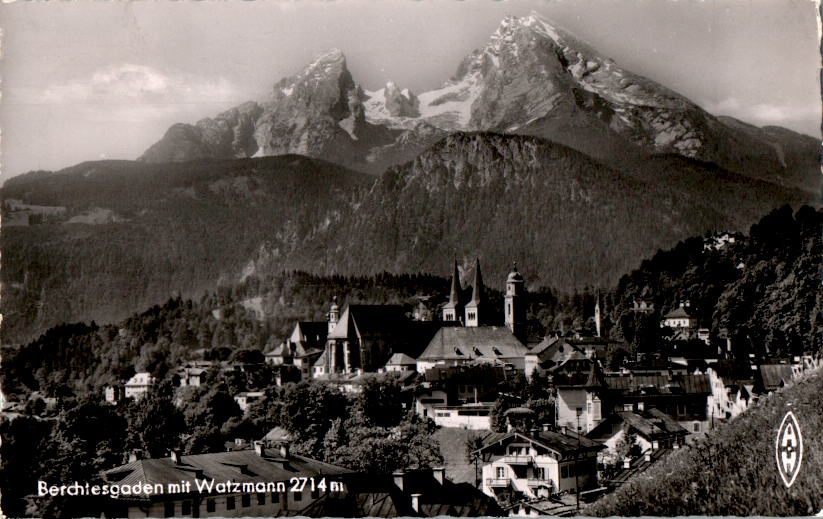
{"points": [[598, 412]]}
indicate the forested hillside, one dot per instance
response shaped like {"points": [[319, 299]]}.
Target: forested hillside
{"points": [[104, 239], [732, 471], [763, 289]]}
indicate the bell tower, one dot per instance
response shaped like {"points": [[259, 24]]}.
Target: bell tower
{"points": [[453, 311], [475, 306], [515, 304], [334, 314]]}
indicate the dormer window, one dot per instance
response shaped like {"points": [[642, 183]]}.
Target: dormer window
{"points": [[478, 352], [457, 351], [496, 351]]}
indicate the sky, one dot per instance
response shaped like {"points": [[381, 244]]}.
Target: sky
{"points": [[91, 79]]}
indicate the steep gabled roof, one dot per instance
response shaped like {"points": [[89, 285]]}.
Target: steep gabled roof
{"points": [[370, 320], [774, 376], [400, 359], [456, 291], [678, 313], [672, 384], [487, 342], [555, 441], [477, 287]]}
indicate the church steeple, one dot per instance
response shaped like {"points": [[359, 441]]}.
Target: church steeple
{"points": [[453, 310], [514, 309], [475, 306]]}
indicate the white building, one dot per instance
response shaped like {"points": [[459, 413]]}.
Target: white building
{"points": [[538, 463], [139, 385]]}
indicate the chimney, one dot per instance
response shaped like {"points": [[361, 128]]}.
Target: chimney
{"points": [[399, 479], [135, 455], [439, 474], [284, 450], [259, 449], [176, 457], [415, 502]]}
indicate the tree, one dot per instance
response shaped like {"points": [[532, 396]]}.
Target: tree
{"points": [[381, 400], [155, 423]]}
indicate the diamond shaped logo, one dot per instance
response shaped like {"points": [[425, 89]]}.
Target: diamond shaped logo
{"points": [[789, 449]]}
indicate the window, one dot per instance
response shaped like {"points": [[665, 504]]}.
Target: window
{"points": [[540, 473], [501, 472], [230, 503], [315, 493], [274, 498], [285, 497], [168, 510], [210, 505], [696, 426], [185, 508], [298, 496], [261, 499], [245, 500]]}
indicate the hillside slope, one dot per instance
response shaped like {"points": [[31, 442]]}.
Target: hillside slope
{"points": [[114, 237], [171, 227], [733, 470]]}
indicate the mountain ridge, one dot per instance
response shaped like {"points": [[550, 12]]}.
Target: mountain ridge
{"points": [[530, 78]]}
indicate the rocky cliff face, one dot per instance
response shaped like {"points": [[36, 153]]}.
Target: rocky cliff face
{"points": [[531, 78]]}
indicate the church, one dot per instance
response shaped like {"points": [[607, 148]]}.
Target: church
{"points": [[362, 338], [468, 336]]}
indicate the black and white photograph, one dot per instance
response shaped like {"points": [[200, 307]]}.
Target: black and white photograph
{"points": [[411, 258]]}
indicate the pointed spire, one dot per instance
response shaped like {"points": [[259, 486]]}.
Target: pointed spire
{"points": [[477, 286], [454, 296]]}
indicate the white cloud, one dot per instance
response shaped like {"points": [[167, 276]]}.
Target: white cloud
{"points": [[130, 92], [782, 114], [134, 82]]}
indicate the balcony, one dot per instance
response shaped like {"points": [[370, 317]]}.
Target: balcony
{"points": [[534, 483], [498, 482], [517, 459]]}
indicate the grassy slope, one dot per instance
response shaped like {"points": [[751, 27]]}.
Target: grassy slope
{"points": [[733, 471]]}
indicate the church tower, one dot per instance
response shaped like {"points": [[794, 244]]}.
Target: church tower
{"points": [[334, 314], [453, 311], [515, 305], [474, 308]]}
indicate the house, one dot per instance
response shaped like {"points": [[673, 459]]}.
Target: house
{"points": [[643, 305], [401, 362], [114, 393], [261, 484], [582, 399], [679, 319], [537, 463], [191, 377], [455, 345], [651, 428], [247, 398], [409, 493], [305, 344], [685, 398], [139, 384], [732, 386]]}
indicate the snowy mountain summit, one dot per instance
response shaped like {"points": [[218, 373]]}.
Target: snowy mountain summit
{"points": [[530, 78]]}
